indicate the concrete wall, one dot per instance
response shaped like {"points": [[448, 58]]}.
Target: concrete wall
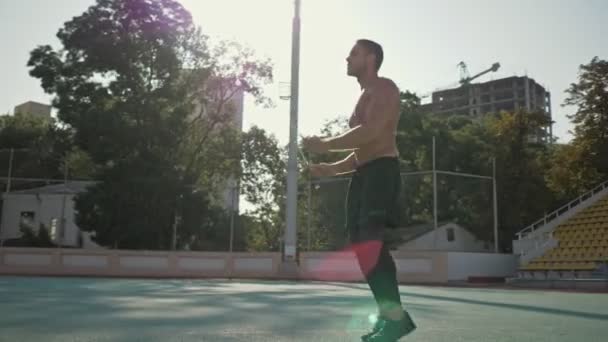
{"points": [[461, 266], [437, 240], [114, 263], [412, 267]]}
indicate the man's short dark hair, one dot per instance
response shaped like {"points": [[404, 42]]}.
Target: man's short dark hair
{"points": [[373, 48]]}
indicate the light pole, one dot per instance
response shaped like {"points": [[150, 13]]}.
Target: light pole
{"points": [[177, 219], [292, 165], [435, 216], [62, 221], [495, 204], [233, 196], [10, 164]]}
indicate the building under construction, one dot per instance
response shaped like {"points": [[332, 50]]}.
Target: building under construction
{"points": [[506, 94]]}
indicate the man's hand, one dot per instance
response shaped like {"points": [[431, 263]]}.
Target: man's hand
{"points": [[322, 170], [315, 144]]}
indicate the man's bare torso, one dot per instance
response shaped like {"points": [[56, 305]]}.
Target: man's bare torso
{"points": [[383, 145]]}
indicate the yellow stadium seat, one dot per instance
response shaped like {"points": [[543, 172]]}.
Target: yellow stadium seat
{"points": [[578, 249], [568, 266], [576, 265], [551, 265], [589, 266], [598, 256]]}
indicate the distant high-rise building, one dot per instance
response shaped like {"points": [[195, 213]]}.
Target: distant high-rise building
{"points": [[225, 103], [36, 109], [506, 94]]}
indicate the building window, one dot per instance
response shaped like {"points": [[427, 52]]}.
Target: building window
{"points": [[53, 228], [504, 95], [451, 235]]}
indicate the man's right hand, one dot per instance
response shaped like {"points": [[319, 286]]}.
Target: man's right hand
{"points": [[322, 170]]}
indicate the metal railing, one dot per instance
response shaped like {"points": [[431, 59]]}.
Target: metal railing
{"points": [[561, 211]]}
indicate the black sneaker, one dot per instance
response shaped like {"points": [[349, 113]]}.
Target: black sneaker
{"points": [[392, 331], [377, 326]]}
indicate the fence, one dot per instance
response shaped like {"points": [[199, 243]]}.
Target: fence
{"points": [[465, 201], [427, 196]]}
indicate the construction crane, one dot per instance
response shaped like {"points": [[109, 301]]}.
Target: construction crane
{"points": [[466, 79]]}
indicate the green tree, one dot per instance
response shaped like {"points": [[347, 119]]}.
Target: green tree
{"points": [[326, 216], [523, 194], [590, 96], [80, 165], [570, 173], [42, 147], [263, 185], [467, 145], [145, 96]]}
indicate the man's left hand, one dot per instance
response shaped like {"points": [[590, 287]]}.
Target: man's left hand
{"points": [[315, 144]]}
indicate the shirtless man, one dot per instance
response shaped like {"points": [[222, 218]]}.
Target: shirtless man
{"points": [[373, 194]]}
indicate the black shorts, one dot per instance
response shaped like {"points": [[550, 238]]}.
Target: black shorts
{"points": [[372, 203]]}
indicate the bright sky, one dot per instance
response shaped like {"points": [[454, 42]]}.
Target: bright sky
{"points": [[423, 43]]}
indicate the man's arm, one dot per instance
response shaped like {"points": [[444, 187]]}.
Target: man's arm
{"points": [[347, 165], [341, 167], [376, 113]]}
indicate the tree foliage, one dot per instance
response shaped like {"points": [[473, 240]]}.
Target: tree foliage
{"points": [[263, 185], [152, 103], [581, 164]]}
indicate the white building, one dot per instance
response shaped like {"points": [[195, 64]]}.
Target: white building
{"points": [[48, 206], [36, 109], [448, 237], [230, 99]]}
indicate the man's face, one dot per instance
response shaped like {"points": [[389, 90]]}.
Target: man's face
{"points": [[357, 61]]}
